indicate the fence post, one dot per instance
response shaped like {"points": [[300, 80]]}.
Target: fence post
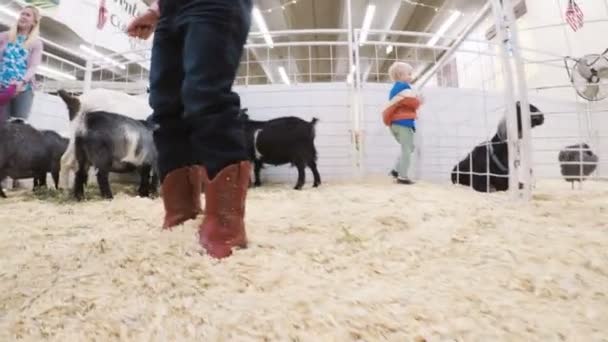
{"points": [[88, 75], [354, 87], [511, 112], [525, 147]]}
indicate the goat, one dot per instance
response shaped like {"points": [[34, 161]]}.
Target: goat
{"points": [[577, 162], [487, 165], [26, 152], [284, 140], [56, 147], [95, 100], [110, 142]]}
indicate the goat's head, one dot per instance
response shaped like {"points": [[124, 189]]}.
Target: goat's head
{"points": [[537, 117], [73, 103]]}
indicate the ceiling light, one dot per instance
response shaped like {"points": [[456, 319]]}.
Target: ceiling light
{"points": [[367, 23], [261, 23], [389, 49], [94, 53], [444, 28], [284, 75]]}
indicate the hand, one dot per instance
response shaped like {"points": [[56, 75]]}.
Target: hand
{"points": [[143, 26], [20, 85], [421, 98]]}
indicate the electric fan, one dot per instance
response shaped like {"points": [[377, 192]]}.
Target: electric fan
{"points": [[589, 75]]}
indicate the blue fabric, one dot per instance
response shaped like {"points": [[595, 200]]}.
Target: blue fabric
{"points": [[14, 62], [195, 56], [406, 123], [397, 88]]}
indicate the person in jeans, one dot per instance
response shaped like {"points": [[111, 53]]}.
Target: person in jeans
{"points": [[20, 53], [400, 115], [196, 52]]}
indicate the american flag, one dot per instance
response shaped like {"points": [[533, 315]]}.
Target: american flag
{"points": [[102, 15], [574, 15]]}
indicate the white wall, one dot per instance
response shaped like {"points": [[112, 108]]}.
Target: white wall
{"points": [[328, 102], [569, 118], [544, 37], [452, 122], [49, 112], [543, 28]]}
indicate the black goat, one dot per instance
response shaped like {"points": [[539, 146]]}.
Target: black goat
{"points": [[56, 147], [26, 152], [487, 166], [285, 140], [577, 162]]}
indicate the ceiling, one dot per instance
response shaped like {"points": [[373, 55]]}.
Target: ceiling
{"points": [[316, 63]]}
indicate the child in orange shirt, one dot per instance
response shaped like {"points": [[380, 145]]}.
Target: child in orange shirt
{"points": [[400, 114]]}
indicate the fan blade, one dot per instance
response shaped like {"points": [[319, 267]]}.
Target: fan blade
{"points": [[583, 70], [590, 92], [603, 72], [584, 65]]}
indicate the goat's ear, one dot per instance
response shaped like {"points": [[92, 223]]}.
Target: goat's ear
{"points": [[72, 103]]}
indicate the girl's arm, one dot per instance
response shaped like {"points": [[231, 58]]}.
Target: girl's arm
{"points": [[33, 61]]}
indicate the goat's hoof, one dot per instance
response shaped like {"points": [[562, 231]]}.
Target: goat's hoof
{"points": [[316, 185], [298, 187], [257, 184]]}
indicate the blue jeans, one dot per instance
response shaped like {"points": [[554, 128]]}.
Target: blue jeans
{"points": [[19, 107], [195, 56]]}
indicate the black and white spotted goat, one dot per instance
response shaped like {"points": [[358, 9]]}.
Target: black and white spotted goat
{"points": [[486, 167], [106, 137]]}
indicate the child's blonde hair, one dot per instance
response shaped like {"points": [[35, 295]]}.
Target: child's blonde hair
{"points": [[398, 69], [34, 32]]}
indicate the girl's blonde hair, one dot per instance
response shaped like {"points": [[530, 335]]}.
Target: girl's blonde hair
{"points": [[34, 33], [398, 69]]}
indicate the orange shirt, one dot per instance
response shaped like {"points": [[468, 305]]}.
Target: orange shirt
{"points": [[402, 106]]}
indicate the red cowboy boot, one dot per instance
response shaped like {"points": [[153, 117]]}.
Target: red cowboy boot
{"points": [[223, 225], [181, 192]]}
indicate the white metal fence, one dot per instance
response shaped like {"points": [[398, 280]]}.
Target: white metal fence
{"points": [[467, 81]]}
